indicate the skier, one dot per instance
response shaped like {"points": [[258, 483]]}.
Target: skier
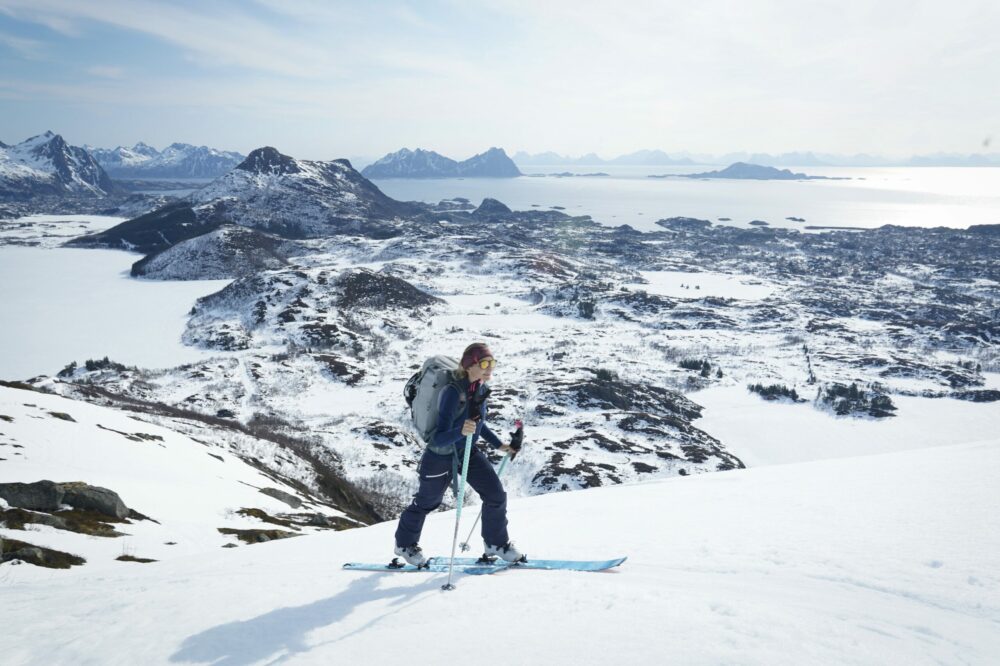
{"points": [[447, 446]]}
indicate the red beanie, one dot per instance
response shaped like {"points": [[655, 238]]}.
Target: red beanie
{"points": [[474, 353]]}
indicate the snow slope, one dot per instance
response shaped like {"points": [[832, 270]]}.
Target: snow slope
{"points": [[188, 486], [871, 560]]}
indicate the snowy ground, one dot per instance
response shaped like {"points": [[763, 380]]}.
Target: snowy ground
{"points": [[189, 487], [52, 230], [63, 304], [770, 433], [869, 560]]}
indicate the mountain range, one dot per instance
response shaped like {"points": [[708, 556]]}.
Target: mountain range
{"points": [[46, 164], [419, 163], [270, 192], [178, 160]]}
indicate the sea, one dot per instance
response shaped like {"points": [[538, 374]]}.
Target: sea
{"points": [[859, 197]]}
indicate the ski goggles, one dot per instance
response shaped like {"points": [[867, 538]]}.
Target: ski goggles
{"points": [[487, 363]]}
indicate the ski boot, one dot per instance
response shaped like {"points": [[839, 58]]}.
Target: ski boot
{"points": [[506, 552], [412, 554]]}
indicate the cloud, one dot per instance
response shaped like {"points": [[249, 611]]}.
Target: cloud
{"points": [[212, 34], [26, 48], [106, 71]]}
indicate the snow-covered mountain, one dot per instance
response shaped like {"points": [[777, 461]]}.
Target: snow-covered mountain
{"points": [[178, 160], [271, 192], [419, 163], [47, 165]]}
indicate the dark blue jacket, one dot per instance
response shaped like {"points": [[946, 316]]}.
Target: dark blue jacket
{"points": [[448, 435]]}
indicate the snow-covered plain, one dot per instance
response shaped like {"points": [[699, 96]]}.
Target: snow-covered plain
{"points": [[868, 560], [691, 285], [771, 433], [63, 305]]}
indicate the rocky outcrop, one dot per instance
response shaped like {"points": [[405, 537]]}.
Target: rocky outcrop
{"points": [[282, 496], [50, 496]]}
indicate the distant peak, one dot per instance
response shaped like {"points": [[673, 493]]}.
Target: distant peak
{"points": [[269, 160]]}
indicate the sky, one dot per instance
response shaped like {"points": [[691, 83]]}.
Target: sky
{"points": [[321, 79]]}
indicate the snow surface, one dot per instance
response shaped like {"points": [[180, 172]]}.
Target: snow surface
{"points": [[188, 487], [869, 560], [64, 304], [778, 432], [679, 284]]}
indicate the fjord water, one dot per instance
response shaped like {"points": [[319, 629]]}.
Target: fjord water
{"points": [[868, 197]]}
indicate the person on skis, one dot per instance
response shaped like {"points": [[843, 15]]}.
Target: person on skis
{"points": [[446, 447]]}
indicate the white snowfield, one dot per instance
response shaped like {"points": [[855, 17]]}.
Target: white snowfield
{"points": [[190, 488], [882, 559]]}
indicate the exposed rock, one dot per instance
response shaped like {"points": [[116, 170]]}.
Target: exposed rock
{"points": [[38, 496], [93, 498], [12, 549], [287, 498]]}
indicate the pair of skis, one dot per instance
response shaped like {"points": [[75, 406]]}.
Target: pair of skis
{"points": [[477, 567]]}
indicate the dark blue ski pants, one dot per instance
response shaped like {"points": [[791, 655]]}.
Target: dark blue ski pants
{"points": [[435, 474]]}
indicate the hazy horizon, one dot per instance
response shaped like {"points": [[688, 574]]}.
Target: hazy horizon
{"points": [[318, 80]]}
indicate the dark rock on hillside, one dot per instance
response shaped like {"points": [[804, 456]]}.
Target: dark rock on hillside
{"points": [[50, 496], [363, 288], [91, 498], [12, 549], [268, 160], [604, 392], [154, 231], [982, 395], [38, 496], [491, 209], [280, 495]]}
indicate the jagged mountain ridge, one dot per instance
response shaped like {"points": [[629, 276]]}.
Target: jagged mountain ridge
{"points": [[47, 165], [271, 192], [419, 163], [178, 160]]}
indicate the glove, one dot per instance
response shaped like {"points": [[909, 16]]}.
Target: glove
{"points": [[517, 437]]}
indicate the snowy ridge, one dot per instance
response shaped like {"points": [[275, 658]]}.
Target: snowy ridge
{"points": [[855, 561], [46, 164]]}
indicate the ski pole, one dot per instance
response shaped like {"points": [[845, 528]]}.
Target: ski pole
{"points": [[458, 510], [465, 544], [516, 438]]}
